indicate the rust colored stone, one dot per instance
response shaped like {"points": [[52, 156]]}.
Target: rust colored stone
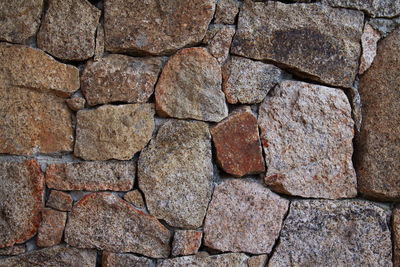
{"points": [[51, 227], [396, 236], [186, 242], [60, 201]]}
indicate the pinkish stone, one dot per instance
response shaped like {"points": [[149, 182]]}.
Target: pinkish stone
{"points": [[51, 227], [369, 42], [59, 200], [186, 242], [110, 259]]}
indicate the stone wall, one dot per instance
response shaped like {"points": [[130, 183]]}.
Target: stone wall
{"points": [[199, 133]]}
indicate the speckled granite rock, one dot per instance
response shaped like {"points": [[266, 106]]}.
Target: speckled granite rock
{"points": [[106, 222], [186, 242], [219, 39], [257, 261], [51, 227], [110, 259], [175, 173], [135, 197], [244, 216], [59, 200], [307, 133], [226, 11], [334, 233], [396, 236], [384, 26], [13, 251], [204, 260], [374, 8], [75, 103], [369, 41], [68, 29], [21, 200], [99, 50]]}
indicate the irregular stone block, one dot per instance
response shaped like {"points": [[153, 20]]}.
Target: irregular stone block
{"points": [[374, 8], [257, 261], [13, 251], [369, 41], [396, 236], [99, 50], [203, 260], [110, 259], [135, 197], [59, 200], [76, 103], [51, 227], [226, 11], [219, 39], [186, 242]]}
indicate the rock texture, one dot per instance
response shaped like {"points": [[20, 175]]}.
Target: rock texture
{"points": [[51, 227], [307, 133], [237, 144], [378, 152], [369, 41], [68, 29], [244, 216], [219, 39], [113, 132], [110, 259], [317, 41], [190, 87], [120, 78], [175, 173], [91, 176], [76, 103], [59, 200], [186, 242], [13, 251], [154, 27], [21, 200], [135, 197], [396, 236], [106, 222], [226, 11], [203, 260], [257, 261], [334, 233], [374, 8]]}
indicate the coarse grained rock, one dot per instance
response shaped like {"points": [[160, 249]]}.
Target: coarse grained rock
{"points": [[13, 251], [334, 233], [246, 81], [106, 222], [51, 227], [135, 197], [20, 20], [155, 27], [226, 11], [68, 29], [175, 173], [384, 26], [99, 50], [113, 132], [257, 261], [307, 133], [186, 242], [76, 103], [59, 200], [369, 41], [396, 236], [374, 8], [237, 143], [21, 200], [219, 39], [378, 146], [204, 260], [244, 216], [57, 256], [190, 87], [91, 175], [313, 40], [120, 78], [110, 259]]}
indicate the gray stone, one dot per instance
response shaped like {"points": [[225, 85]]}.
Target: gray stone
{"points": [[110, 259], [226, 11], [385, 26], [396, 235], [374, 8], [204, 260]]}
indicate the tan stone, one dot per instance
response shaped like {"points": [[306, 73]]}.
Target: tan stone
{"points": [[110, 259], [59, 200], [186, 242], [51, 227], [204, 260], [396, 236], [135, 197], [219, 41], [99, 50], [76, 103], [369, 41], [374, 8], [13, 251], [257, 261], [226, 11]]}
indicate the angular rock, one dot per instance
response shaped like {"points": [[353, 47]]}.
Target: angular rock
{"points": [[99, 50], [21, 200], [154, 27], [378, 147], [68, 29], [175, 173], [113, 132], [135, 197], [244, 216], [106, 222], [226, 11], [374, 8], [186, 242], [57, 256], [13, 251], [369, 41], [110, 259], [91, 176], [204, 260], [219, 39], [384, 26], [51, 227], [20, 20], [60, 201], [257, 261], [396, 236], [76, 103], [190, 87], [237, 144], [307, 133], [334, 233], [316, 41], [120, 78]]}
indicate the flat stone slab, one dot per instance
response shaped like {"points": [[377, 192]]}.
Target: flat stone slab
{"points": [[204, 260]]}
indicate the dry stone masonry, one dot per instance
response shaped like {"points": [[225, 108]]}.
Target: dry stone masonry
{"points": [[211, 133]]}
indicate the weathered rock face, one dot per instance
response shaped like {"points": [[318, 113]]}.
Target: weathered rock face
{"points": [[51, 227], [248, 82], [110, 259], [203, 260], [175, 173], [135, 197], [374, 8], [186, 242], [76, 103], [396, 236], [219, 39], [106, 222], [190, 87], [21, 200], [13, 251], [120, 78], [369, 41], [59, 200], [68, 29], [335, 233], [257, 261], [237, 144], [244, 216], [378, 152], [113, 132], [317, 41], [20, 20], [226, 11], [91, 176], [307, 132], [154, 27]]}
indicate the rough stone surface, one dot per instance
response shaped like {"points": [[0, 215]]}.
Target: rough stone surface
{"points": [[113, 132], [378, 149], [20, 20], [68, 29], [374, 8], [51, 227], [226, 11], [76, 103], [120, 78], [59, 200], [316, 41], [57, 256], [154, 27], [219, 39], [248, 82], [91, 175], [186, 242], [13, 251], [334, 233], [110, 259], [135, 197], [106, 222], [21, 200], [190, 87], [384, 26], [244, 216], [369, 41], [99, 50], [237, 144], [175, 173], [396, 236], [203, 260], [257, 261], [307, 133]]}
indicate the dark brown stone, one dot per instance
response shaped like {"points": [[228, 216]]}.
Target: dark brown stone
{"points": [[51, 227]]}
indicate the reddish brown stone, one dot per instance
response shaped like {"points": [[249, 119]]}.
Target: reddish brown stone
{"points": [[237, 144], [257, 261], [110, 259], [186, 242], [135, 197], [59, 200], [396, 236], [51, 228]]}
